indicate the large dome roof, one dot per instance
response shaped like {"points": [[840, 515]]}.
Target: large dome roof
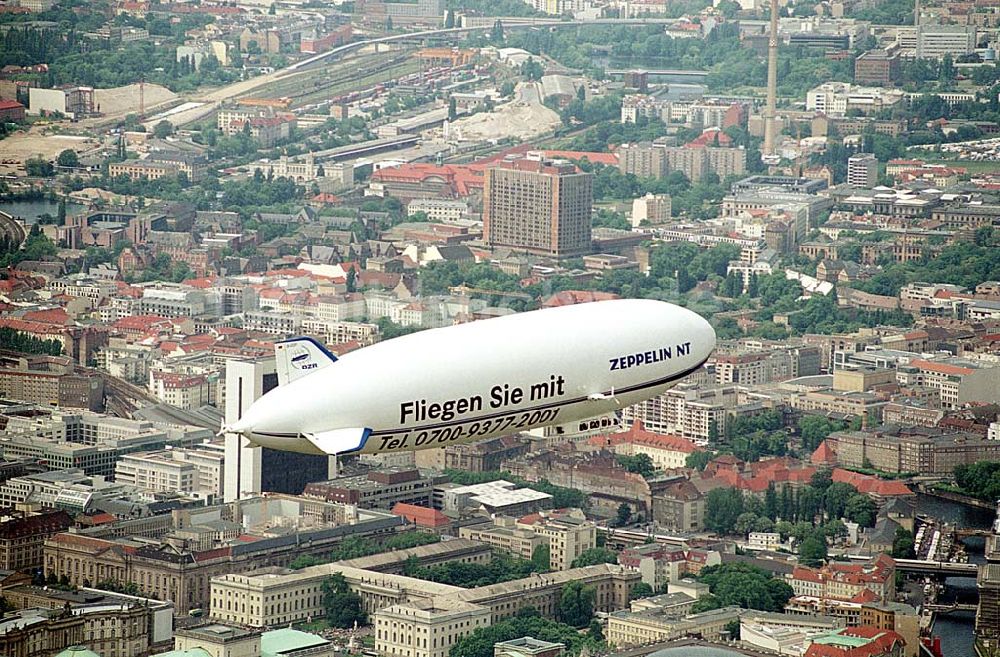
{"points": [[77, 651]]}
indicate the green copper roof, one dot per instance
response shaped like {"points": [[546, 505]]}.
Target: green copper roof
{"points": [[77, 651], [276, 642]]}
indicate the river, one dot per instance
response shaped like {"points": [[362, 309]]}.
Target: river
{"points": [[956, 629], [30, 211]]}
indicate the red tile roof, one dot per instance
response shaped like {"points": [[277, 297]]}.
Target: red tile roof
{"points": [[882, 642], [730, 471], [570, 297], [200, 283], [462, 179], [100, 519], [421, 515], [824, 454], [23, 326], [49, 316], [707, 138], [871, 485], [638, 435], [940, 368], [140, 322], [865, 595]]}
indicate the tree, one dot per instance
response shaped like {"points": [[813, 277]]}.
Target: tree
{"points": [[745, 523], [835, 528], [821, 479], [595, 556], [596, 631], [732, 284], [812, 551], [723, 507], [861, 509], [784, 528], [705, 603], [541, 556], [68, 159], [733, 628], [640, 464], [496, 32], [502, 568], [624, 515], [814, 429], [26, 343], [408, 540], [527, 622], [902, 544], [698, 460], [452, 109], [947, 68], [532, 70], [576, 604], [980, 479], [343, 606], [163, 129], [771, 505], [352, 280], [640, 590], [305, 561], [38, 167], [835, 498], [802, 530], [746, 586]]}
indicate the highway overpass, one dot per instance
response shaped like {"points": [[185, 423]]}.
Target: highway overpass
{"points": [[679, 72], [509, 23]]}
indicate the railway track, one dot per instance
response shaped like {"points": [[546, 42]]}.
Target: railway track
{"points": [[301, 91]]}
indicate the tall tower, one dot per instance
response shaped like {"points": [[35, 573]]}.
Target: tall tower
{"points": [[539, 206], [250, 470], [770, 111]]}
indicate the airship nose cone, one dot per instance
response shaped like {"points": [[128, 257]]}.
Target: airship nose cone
{"points": [[240, 426]]}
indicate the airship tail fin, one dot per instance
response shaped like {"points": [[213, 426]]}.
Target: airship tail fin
{"points": [[298, 357], [339, 441]]}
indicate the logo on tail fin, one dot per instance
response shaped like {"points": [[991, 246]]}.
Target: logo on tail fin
{"points": [[302, 359]]}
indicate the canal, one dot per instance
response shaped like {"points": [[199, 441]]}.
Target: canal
{"points": [[30, 211], [956, 629]]}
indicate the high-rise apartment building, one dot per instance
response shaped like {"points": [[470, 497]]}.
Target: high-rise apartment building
{"points": [[643, 159], [539, 206], [249, 470], [862, 170], [936, 41], [657, 160]]}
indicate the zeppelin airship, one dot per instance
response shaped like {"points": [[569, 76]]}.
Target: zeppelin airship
{"points": [[469, 382]]}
